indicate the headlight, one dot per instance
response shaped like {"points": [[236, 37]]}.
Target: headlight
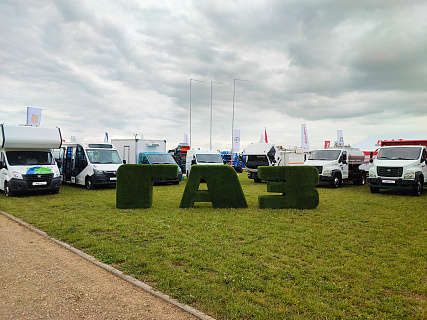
{"points": [[409, 175], [56, 174], [95, 171], [16, 175], [372, 174], [327, 173]]}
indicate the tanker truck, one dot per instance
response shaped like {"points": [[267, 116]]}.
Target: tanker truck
{"points": [[338, 164]]}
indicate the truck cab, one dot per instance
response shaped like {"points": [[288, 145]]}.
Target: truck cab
{"points": [[202, 157], [399, 167], [256, 155], [160, 158], [336, 165]]}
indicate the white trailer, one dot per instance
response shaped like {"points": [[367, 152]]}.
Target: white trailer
{"points": [[26, 162], [89, 164], [129, 149], [338, 164]]}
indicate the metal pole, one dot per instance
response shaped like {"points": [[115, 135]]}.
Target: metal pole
{"points": [[210, 139], [190, 105], [232, 120]]}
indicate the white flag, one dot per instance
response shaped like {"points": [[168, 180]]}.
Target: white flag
{"points": [[106, 137], [304, 138], [34, 116], [340, 138], [236, 141]]}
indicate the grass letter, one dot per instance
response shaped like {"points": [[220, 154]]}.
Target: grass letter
{"points": [[296, 183], [224, 189], [135, 183]]}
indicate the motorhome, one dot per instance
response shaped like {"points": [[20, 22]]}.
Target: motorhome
{"points": [[338, 164], [89, 164], [268, 154], [400, 164], [160, 158], [26, 162], [203, 157], [129, 149]]}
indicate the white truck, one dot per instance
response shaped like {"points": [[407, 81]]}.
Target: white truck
{"points": [[338, 164], [204, 157], [129, 149], [268, 154], [26, 162], [89, 164], [400, 164]]}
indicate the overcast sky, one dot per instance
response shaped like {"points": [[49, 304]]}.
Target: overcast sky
{"points": [[124, 67]]}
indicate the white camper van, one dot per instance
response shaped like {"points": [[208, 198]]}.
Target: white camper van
{"points": [[89, 164], [205, 157], [26, 163]]}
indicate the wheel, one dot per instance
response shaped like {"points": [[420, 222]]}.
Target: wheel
{"points": [[257, 180], [89, 185], [361, 181], [375, 190], [7, 190], [416, 191], [56, 191], [336, 181]]}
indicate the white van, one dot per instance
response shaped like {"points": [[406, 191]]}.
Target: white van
{"points": [[89, 164], [26, 162], [205, 157]]}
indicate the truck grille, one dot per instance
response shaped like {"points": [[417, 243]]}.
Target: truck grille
{"points": [[389, 171], [110, 174], [37, 181], [319, 168]]}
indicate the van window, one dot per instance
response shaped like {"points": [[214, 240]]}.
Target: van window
{"points": [[209, 158], [29, 158], [98, 156]]}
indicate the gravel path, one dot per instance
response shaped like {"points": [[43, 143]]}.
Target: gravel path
{"points": [[40, 279]]}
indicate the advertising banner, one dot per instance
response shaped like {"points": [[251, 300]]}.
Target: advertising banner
{"points": [[34, 116]]}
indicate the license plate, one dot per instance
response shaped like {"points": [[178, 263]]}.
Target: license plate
{"points": [[113, 178], [39, 183], [389, 181]]}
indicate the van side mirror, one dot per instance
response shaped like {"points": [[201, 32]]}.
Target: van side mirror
{"points": [[371, 160], [124, 161]]}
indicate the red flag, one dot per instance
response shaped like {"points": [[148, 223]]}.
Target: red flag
{"points": [[327, 144], [265, 135]]}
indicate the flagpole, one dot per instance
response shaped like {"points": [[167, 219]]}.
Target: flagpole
{"points": [[232, 119]]}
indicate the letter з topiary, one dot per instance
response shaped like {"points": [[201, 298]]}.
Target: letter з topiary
{"points": [[296, 183], [224, 189], [134, 187]]}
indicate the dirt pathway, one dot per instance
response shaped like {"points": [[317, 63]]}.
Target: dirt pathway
{"points": [[40, 279]]}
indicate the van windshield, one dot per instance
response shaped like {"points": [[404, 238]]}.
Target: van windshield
{"points": [[324, 155], [254, 161], [161, 158], [208, 158], [29, 158], [399, 153], [103, 156]]}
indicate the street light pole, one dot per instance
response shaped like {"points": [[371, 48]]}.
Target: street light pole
{"points": [[210, 140], [232, 120], [190, 105]]}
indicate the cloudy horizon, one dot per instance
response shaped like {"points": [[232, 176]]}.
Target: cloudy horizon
{"points": [[124, 67]]}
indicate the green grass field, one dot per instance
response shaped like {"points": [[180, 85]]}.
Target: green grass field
{"points": [[357, 255]]}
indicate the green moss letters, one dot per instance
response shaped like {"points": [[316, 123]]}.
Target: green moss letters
{"points": [[224, 189], [295, 183], [135, 183]]}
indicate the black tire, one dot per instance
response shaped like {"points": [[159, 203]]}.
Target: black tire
{"points": [[7, 191], [88, 183], [361, 181], [375, 190], [336, 181], [56, 191], [257, 180], [418, 189]]}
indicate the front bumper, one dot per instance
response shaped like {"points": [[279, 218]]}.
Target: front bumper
{"points": [[104, 178], [387, 183], [31, 183]]}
